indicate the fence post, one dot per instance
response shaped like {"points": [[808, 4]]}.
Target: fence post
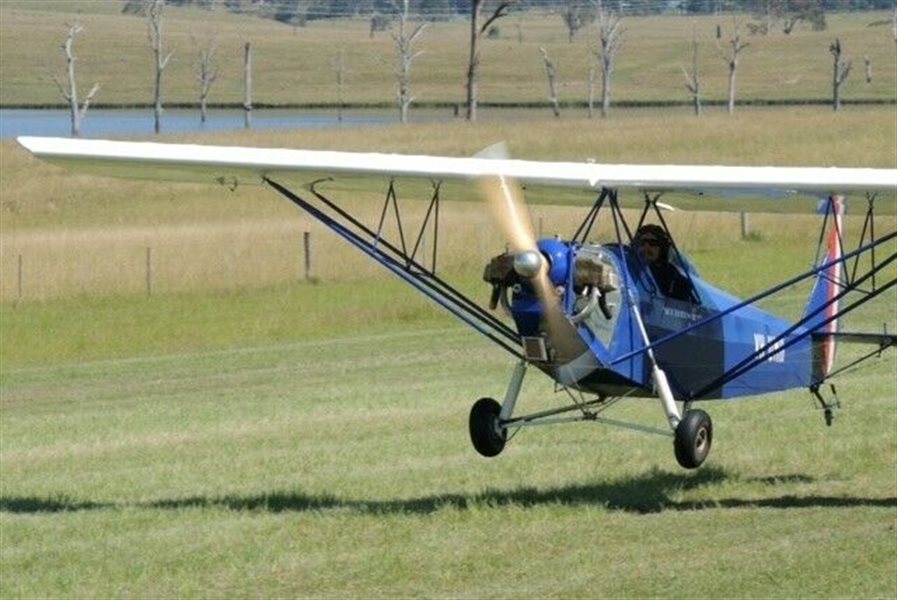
{"points": [[19, 275], [745, 226], [149, 271], [306, 247]]}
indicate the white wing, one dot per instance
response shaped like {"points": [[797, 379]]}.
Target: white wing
{"points": [[244, 165]]}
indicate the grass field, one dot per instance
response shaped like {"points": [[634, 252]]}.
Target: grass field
{"points": [[310, 440], [340, 466], [296, 66], [67, 234], [242, 433]]}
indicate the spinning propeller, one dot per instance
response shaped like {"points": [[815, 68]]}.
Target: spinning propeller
{"points": [[505, 198], [507, 206]]}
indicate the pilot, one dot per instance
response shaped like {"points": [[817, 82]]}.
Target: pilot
{"points": [[653, 246]]}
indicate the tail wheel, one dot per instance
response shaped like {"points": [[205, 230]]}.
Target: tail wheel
{"points": [[694, 435], [486, 432]]}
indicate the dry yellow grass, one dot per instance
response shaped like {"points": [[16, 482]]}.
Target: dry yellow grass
{"points": [[41, 264], [296, 65], [83, 234]]}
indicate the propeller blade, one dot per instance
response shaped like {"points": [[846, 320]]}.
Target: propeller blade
{"points": [[506, 201], [507, 206]]}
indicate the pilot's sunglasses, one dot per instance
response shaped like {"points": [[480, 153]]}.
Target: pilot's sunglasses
{"points": [[649, 242]]}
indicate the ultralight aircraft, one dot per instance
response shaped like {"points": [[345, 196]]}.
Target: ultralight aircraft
{"points": [[595, 317]]}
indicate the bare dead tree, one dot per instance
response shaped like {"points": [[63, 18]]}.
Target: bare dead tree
{"points": [[404, 40], [206, 72], [840, 71], [247, 85], [894, 25], [610, 37], [478, 27], [767, 9], [572, 16], [154, 16], [591, 100], [551, 73], [70, 91], [339, 70], [692, 80], [731, 57], [790, 21]]}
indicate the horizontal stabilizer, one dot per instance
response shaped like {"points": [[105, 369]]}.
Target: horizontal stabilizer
{"points": [[883, 340]]}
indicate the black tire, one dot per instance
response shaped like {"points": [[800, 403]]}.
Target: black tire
{"points": [[487, 436], [694, 436]]}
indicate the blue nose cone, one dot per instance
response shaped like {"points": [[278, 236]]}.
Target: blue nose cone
{"points": [[558, 253]]}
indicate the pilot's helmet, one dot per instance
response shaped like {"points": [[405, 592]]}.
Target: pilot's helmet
{"points": [[656, 232]]}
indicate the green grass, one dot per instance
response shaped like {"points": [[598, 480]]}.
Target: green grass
{"points": [[310, 440], [125, 326], [240, 433], [341, 467]]}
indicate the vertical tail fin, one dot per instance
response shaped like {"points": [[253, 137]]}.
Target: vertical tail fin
{"points": [[829, 282]]}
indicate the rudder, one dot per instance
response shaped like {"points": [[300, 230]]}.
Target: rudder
{"points": [[823, 306]]}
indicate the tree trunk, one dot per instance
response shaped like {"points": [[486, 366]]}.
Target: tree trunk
{"points": [[157, 102], [730, 106], [605, 89], [609, 40], [693, 80], [404, 41], [551, 73], [73, 89], [70, 90], [840, 71], [155, 33], [732, 62], [207, 74], [476, 32], [591, 100], [247, 86], [473, 60]]}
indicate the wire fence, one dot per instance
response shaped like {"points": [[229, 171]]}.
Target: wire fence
{"points": [[46, 265]]}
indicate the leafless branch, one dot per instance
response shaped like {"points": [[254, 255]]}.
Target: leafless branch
{"points": [[70, 91], [473, 63], [551, 73], [609, 31], [500, 11], [404, 41], [731, 57], [692, 80]]}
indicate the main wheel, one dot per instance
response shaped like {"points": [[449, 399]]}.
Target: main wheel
{"points": [[486, 433], [694, 435]]}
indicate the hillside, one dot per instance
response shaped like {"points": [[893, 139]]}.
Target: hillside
{"points": [[297, 65]]}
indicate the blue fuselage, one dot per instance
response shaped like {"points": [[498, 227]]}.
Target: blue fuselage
{"points": [[713, 347]]}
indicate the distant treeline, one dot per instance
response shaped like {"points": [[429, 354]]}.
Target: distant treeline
{"points": [[299, 11]]}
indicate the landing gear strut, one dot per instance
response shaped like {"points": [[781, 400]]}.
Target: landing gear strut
{"points": [[828, 408]]}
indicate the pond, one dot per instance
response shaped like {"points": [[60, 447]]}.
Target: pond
{"points": [[102, 123]]}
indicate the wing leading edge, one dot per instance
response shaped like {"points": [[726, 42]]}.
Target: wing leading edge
{"points": [[248, 165]]}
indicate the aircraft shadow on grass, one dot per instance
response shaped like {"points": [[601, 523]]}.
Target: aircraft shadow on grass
{"points": [[649, 493]]}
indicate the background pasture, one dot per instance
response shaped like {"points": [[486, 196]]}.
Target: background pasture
{"points": [[241, 432], [296, 65]]}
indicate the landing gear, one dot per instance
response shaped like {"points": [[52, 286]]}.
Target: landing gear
{"points": [[486, 432], [693, 437], [828, 408]]}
